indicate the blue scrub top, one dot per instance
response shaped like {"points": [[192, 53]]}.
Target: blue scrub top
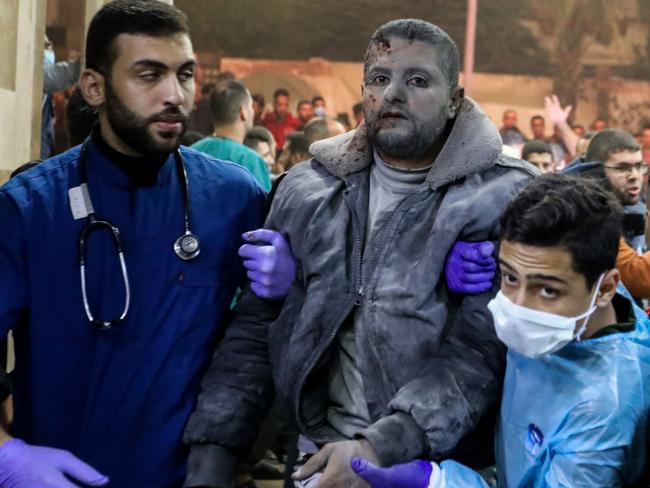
{"points": [[118, 399]]}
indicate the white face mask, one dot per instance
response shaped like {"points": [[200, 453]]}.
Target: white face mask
{"points": [[534, 333]]}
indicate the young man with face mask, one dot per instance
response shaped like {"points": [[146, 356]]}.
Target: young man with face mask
{"points": [[576, 393]]}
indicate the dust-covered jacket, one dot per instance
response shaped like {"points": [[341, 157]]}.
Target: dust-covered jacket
{"points": [[431, 362]]}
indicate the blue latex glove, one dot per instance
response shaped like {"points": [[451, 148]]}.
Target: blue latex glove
{"points": [[269, 263], [25, 466], [415, 474], [470, 267]]}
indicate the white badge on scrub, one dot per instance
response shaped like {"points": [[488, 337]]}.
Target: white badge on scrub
{"points": [[80, 203]]}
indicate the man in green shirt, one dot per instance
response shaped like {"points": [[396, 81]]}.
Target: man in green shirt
{"points": [[231, 107]]}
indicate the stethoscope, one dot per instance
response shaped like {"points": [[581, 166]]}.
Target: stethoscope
{"points": [[186, 247]]}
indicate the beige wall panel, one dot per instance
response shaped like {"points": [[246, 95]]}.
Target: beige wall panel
{"points": [[8, 41], [21, 103]]}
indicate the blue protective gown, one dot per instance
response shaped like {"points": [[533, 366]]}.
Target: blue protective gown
{"points": [[118, 399], [576, 418]]}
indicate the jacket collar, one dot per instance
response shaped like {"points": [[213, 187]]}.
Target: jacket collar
{"points": [[473, 146]]}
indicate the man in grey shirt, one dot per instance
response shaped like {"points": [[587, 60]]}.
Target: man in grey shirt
{"points": [[348, 412], [376, 356]]}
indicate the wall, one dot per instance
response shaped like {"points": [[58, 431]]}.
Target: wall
{"points": [[339, 84], [22, 24]]}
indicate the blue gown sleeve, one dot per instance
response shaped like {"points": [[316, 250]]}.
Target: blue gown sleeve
{"points": [[593, 469], [13, 268], [598, 448], [456, 475]]}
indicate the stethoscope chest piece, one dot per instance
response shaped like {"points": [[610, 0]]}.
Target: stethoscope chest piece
{"points": [[187, 246]]}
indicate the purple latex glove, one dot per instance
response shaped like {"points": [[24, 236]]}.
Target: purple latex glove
{"points": [[415, 474], [270, 264], [470, 267], [25, 466]]}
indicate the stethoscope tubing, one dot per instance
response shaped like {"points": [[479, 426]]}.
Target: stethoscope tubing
{"points": [[95, 223]]}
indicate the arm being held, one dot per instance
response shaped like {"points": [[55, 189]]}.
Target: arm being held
{"points": [[436, 410]]}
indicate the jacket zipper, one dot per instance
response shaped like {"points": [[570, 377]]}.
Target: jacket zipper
{"points": [[358, 288], [356, 227], [375, 253]]}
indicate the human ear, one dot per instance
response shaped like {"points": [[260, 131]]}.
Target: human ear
{"points": [[607, 289], [93, 87], [455, 101]]}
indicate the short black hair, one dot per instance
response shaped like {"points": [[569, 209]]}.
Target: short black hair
{"points": [[575, 213], [191, 137], [535, 146], [298, 143], [419, 30], [259, 98], [280, 92], [80, 118], [608, 142], [226, 99], [256, 135], [537, 117], [207, 88], [357, 108], [317, 98], [24, 167], [147, 17]]}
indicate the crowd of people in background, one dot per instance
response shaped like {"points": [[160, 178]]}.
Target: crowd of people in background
{"points": [[428, 301]]}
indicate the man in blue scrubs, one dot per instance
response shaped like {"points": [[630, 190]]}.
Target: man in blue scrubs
{"points": [[117, 398]]}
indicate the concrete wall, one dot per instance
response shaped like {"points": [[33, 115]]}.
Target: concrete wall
{"points": [[22, 24], [339, 84]]}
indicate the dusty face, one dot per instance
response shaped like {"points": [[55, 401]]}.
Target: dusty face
{"points": [[509, 119], [149, 92], [281, 105], [625, 170], [543, 161], [537, 128], [407, 100]]}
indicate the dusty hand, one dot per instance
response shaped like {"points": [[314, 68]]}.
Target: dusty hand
{"points": [[337, 458]]}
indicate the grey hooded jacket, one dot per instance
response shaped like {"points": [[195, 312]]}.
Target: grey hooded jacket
{"points": [[431, 361]]}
